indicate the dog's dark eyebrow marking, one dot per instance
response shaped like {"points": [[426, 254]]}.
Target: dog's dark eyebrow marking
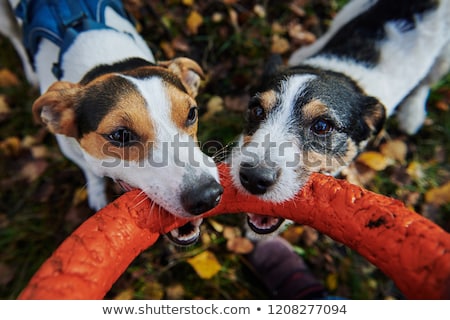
{"points": [[98, 100], [134, 67], [359, 37], [163, 73], [119, 67]]}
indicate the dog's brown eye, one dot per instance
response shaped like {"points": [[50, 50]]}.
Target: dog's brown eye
{"points": [[122, 137], [192, 116], [322, 126]]}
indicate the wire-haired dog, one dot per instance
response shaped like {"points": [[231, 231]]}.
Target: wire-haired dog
{"points": [[378, 57], [115, 112]]}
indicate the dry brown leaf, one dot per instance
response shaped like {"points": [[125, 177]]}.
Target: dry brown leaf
{"points": [[205, 264], [279, 45], [237, 103], [278, 28], [194, 21], [33, 170], [442, 105], [374, 160], [153, 290], [214, 105], [299, 35], [395, 149], [205, 238], [39, 152], [180, 44], [11, 146], [309, 236], [359, 174], [240, 245], [293, 234], [8, 79], [169, 51], [259, 11], [5, 110], [438, 196], [231, 232], [175, 292], [297, 9], [234, 18]]}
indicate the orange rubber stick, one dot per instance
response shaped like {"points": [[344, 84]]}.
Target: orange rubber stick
{"points": [[413, 251]]}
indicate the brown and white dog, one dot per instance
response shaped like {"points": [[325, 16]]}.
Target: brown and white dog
{"points": [[317, 114], [115, 112]]}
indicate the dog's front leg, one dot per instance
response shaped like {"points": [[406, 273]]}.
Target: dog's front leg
{"points": [[412, 110], [95, 184], [96, 190]]}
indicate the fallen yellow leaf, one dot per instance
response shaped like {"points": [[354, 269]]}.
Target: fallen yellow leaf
{"points": [[205, 264], [127, 294], [374, 160], [153, 290], [216, 225], [79, 196], [194, 21], [331, 281], [188, 3], [415, 171], [438, 196]]}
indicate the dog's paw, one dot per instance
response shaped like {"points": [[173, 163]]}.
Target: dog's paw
{"points": [[412, 112]]}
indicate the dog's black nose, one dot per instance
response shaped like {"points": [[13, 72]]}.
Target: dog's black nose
{"points": [[257, 179], [201, 196]]}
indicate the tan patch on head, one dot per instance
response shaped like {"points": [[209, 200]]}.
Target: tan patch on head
{"points": [[181, 103], [314, 109], [319, 162], [375, 119], [247, 140], [268, 99], [131, 113]]}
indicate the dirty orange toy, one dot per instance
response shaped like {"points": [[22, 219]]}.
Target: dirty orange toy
{"points": [[410, 249]]}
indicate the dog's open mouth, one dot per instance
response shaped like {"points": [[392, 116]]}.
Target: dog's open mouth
{"points": [[263, 224], [186, 235], [183, 236]]}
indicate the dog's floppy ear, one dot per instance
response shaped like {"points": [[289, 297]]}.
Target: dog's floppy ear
{"points": [[374, 115], [189, 72], [56, 108]]}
